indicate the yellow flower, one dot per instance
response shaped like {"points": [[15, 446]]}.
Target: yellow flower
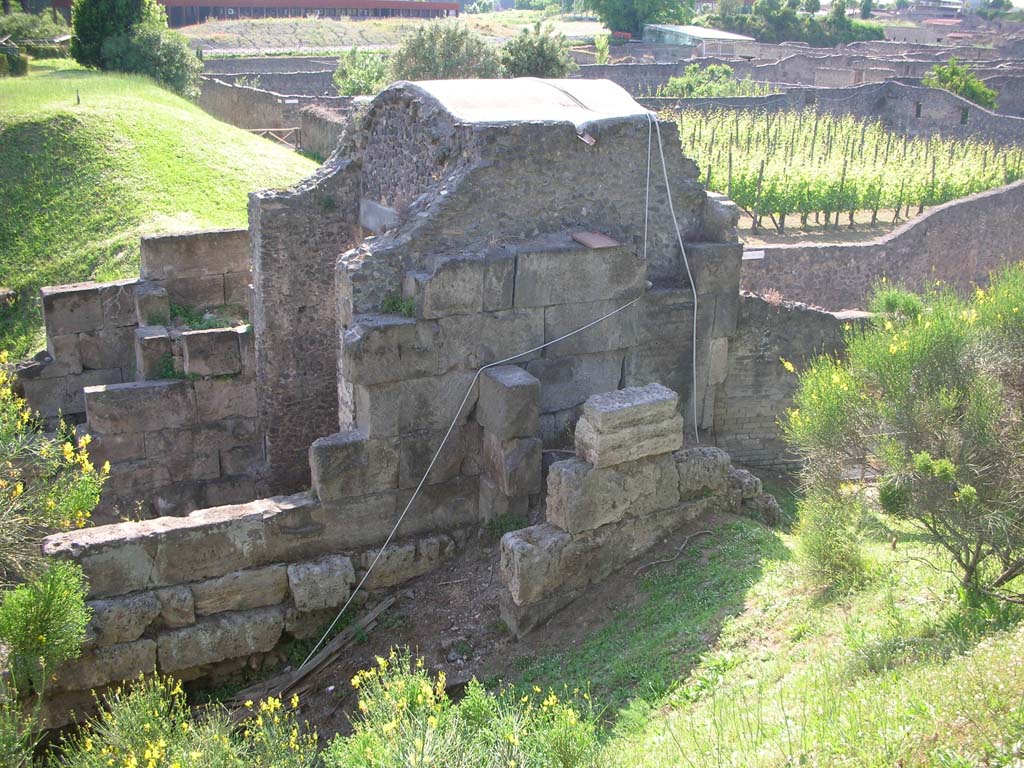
{"points": [[295, 701], [790, 368]]}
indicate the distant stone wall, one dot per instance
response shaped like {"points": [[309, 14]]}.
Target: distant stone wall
{"points": [[321, 128], [312, 83], [247, 107], [263, 64], [757, 389], [959, 243]]}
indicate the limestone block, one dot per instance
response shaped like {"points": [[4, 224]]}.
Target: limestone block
{"points": [[198, 292], [521, 619], [241, 590], [414, 405], [456, 287], [509, 403], [324, 583], [440, 507], [215, 638], [458, 342], [76, 385], [136, 479], [106, 664], [417, 450], [581, 497], [212, 352], [241, 459], [530, 562], [494, 504], [118, 301], [350, 464], [65, 356], [617, 332], [385, 348], [237, 288], [499, 280], [72, 308], [247, 349], [115, 447], [510, 332], [152, 352], [140, 406], [565, 382], [227, 433], [666, 361], [184, 459], [401, 562], [629, 424], [211, 251], [702, 472], [177, 607], [303, 625], [219, 399], [178, 498], [346, 523], [763, 507], [122, 619], [229, 490], [557, 428], [665, 313], [558, 276], [152, 305], [47, 396], [514, 465], [716, 266], [747, 484]]}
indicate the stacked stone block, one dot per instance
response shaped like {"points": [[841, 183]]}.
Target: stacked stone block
{"points": [[205, 594], [627, 488]]}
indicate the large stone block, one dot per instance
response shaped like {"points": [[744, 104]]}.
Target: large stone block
{"points": [[499, 280], [716, 266], [152, 305], [702, 472], [386, 348], [401, 407], [209, 252], [629, 424], [616, 332], [349, 464], [401, 562], [107, 664], [72, 308], [228, 490], [665, 313], [514, 465], [456, 287], [198, 292], [177, 606], [238, 288], [521, 619], [65, 356], [121, 619], [460, 454], [348, 523], [212, 352], [582, 497], [565, 382], [118, 301], [494, 504], [220, 637], [140, 406], [241, 590], [509, 403], [441, 507], [115, 446], [574, 274], [530, 566], [181, 455], [76, 385], [219, 399], [510, 332], [324, 583], [153, 353]]}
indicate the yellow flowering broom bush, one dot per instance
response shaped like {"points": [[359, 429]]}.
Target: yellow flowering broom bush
{"points": [[929, 400]]}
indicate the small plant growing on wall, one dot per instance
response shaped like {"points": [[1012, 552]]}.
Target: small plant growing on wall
{"points": [[394, 304]]}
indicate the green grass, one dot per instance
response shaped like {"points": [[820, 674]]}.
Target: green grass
{"points": [[80, 182], [733, 661]]}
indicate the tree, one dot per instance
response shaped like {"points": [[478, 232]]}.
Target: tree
{"points": [[928, 400], [361, 73], [153, 50], [956, 78], [866, 7], [443, 50], [810, 6], [631, 15], [537, 53], [96, 20]]}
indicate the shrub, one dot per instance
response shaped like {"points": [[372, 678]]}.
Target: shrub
{"points": [[405, 718], [828, 543], [443, 50], [956, 78], [928, 399], [32, 26], [537, 53], [361, 72], [16, 64], [602, 49], [95, 21], [42, 623], [711, 81], [154, 50]]}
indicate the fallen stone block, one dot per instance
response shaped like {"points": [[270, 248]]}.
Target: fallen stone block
{"points": [[629, 424], [212, 352], [324, 583], [241, 590], [702, 472], [140, 406], [72, 308], [349, 464], [581, 497], [514, 465], [220, 637], [509, 404], [121, 619], [107, 664], [747, 484], [530, 562]]}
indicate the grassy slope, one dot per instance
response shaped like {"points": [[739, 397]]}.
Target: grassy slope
{"points": [[81, 183], [733, 661]]}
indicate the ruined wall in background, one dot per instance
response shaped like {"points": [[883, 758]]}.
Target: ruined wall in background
{"points": [[320, 129], [247, 107]]}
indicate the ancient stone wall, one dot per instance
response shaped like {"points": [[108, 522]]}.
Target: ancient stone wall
{"points": [[262, 64], [320, 129], [301, 83], [959, 243], [247, 107]]}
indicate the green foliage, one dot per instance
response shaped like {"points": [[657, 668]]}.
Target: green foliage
{"points": [[631, 15], [537, 53], [361, 72], [153, 50], [956, 78], [405, 718], [15, 64], [502, 524], [866, 7], [602, 49], [928, 398], [32, 26], [772, 22], [95, 21], [711, 81], [444, 50], [394, 304], [828, 543]]}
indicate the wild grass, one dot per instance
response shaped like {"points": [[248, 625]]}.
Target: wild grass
{"points": [[92, 161]]}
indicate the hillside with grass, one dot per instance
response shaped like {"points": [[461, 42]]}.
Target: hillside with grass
{"points": [[92, 161]]}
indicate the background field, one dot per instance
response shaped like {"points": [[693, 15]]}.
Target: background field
{"points": [[90, 162]]}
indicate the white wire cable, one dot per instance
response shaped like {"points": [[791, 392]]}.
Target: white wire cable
{"points": [[476, 377]]}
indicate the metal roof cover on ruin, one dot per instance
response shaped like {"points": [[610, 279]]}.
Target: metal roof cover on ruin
{"points": [[530, 99], [705, 34]]}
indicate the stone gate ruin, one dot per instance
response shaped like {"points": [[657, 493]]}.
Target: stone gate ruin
{"points": [[458, 224]]}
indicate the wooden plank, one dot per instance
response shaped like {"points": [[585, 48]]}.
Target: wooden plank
{"points": [[595, 240]]}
